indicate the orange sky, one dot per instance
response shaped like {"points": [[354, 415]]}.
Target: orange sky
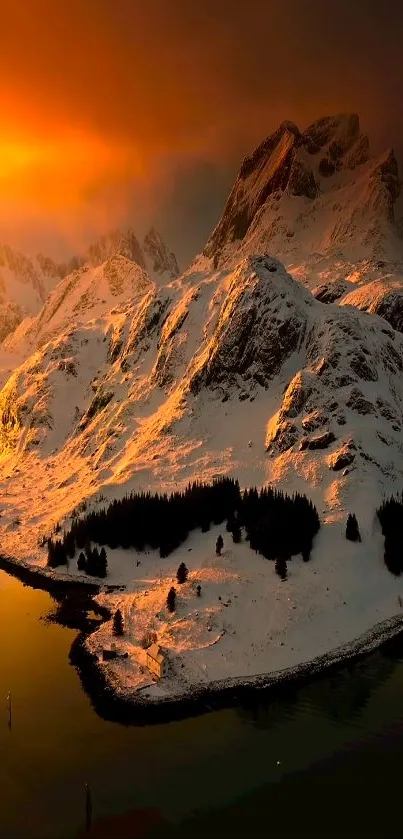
{"points": [[110, 106]]}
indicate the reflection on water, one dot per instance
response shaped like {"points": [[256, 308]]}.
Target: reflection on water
{"points": [[321, 760]]}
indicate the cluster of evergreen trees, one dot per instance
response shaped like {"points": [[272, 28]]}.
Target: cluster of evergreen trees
{"points": [[93, 561], [352, 529], [276, 524], [390, 515]]}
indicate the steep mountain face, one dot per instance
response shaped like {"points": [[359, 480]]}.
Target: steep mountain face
{"points": [[162, 263], [154, 257], [85, 294], [22, 288], [109, 272], [238, 371], [318, 202], [116, 243]]}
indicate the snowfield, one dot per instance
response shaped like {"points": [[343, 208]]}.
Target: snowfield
{"points": [[247, 621]]}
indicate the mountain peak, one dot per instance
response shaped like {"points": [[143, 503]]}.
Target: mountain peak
{"points": [[163, 261], [343, 129], [307, 196], [115, 243]]}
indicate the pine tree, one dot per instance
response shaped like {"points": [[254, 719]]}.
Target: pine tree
{"points": [[219, 545], [102, 563], [231, 523], [236, 534], [171, 599], [281, 567], [81, 562], [118, 628], [352, 531], [198, 591], [182, 573]]}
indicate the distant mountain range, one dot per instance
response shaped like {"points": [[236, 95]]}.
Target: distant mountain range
{"points": [[26, 282]]}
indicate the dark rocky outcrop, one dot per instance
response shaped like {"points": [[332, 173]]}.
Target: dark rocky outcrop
{"points": [[162, 259], [329, 292], [302, 180], [390, 307], [321, 441], [263, 173], [343, 457], [359, 404], [342, 131]]}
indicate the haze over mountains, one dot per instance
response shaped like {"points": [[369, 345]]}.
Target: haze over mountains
{"points": [[25, 283], [136, 377]]}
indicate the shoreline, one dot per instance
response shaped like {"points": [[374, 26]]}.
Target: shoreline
{"points": [[38, 577], [113, 704]]}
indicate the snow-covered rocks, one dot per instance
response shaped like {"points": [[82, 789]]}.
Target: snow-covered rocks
{"points": [[167, 388], [162, 262]]}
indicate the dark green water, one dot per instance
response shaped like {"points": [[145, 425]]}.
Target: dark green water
{"points": [[339, 742]]}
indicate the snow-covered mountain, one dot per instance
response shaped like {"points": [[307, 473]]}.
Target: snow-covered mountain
{"points": [[161, 262], [136, 378], [234, 367], [88, 292], [22, 288], [26, 283], [236, 371], [321, 204]]}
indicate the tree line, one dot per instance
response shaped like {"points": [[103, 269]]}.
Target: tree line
{"points": [[276, 525], [390, 515]]}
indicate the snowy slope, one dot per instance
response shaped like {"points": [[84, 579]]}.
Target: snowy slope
{"points": [[27, 282], [236, 372], [114, 269], [22, 289], [85, 294], [247, 621], [239, 372]]}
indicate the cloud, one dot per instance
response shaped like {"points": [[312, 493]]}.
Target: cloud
{"points": [[113, 107]]}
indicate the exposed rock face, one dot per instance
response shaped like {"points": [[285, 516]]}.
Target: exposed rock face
{"points": [[390, 307], [381, 297], [339, 133], [23, 268], [302, 180], [357, 403], [22, 288], [329, 292], [262, 174], [343, 457], [254, 335], [116, 243], [318, 202], [389, 173], [163, 260], [321, 441]]}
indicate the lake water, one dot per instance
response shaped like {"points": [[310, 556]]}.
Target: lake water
{"points": [[325, 760]]}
